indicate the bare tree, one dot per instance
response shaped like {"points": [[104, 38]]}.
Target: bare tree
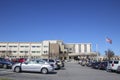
{"points": [[109, 53]]}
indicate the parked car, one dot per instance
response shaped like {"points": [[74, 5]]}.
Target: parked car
{"points": [[95, 65], [22, 60], [83, 63], [79, 62], [52, 62], [118, 69], [103, 65], [4, 63], [113, 65], [89, 64], [60, 64], [34, 66]]}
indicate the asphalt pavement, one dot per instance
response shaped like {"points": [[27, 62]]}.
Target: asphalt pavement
{"points": [[72, 71]]}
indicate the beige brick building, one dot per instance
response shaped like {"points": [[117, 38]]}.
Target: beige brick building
{"points": [[46, 49]]}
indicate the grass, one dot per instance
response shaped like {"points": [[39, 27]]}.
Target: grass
{"points": [[5, 79]]}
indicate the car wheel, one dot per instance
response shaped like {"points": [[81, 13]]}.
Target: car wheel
{"points": [[44, 70], [5, 66], [17, 69]]}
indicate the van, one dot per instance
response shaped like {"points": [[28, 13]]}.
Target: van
{"points": [[113, 65]]}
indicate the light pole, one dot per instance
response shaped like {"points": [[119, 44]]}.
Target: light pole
{"points": [[97, 51], [52, 55]]}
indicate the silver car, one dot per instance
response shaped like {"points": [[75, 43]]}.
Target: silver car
{"points": [[33, 65], [52, 62]]}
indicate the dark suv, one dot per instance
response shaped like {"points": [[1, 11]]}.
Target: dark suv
{"points": [[5, 63]]}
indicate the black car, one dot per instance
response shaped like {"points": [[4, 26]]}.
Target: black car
{"points": [[118, 69], [103, 65], [60, 63], [5, 63], [95, 65]]}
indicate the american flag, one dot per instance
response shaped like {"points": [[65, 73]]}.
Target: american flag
{"points": [[108, 40]]}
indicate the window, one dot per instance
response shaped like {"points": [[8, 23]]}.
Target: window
{"points": [[38, 51], [33, 51], [45, 46], [45, 51], [21, 46], [14, 46], [14, 51], [31, 62], [50, 60], [85, 48], [10, 46], [3, 51], [115, 62], [3, 46], [33, 46], [38, 46], [26, 51], [21, 51], [26, 46], [110, 61], [40, 61]]}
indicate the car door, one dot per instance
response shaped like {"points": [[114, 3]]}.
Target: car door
{"points": [[40, 64], [116, 63], [37, 65], [28, 66], [33, 65]]}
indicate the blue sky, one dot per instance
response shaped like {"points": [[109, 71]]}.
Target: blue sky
{"points": [[73, 21]]}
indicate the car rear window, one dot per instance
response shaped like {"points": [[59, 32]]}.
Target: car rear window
{"points": [[51, 60], [115, 62]]}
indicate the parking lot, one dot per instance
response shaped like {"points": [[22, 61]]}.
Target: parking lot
{"points": [[72, 71]]}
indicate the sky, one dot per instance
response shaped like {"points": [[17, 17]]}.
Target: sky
{"points": [[73, 21]]}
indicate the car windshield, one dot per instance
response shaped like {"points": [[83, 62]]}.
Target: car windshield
{"points": [[2, 59], [45, 59], [58, 61]]}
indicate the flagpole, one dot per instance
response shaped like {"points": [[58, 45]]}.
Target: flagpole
{"points": [[110, 42], [106, 47]]}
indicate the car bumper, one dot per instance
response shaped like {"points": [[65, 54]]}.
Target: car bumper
{"points": [[51, 69]]}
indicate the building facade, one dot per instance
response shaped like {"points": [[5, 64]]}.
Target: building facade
{"points": [[80, 51], [46, 49]]}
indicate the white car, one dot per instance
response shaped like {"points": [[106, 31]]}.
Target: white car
{"points": [[113, 65], [33, 65]]}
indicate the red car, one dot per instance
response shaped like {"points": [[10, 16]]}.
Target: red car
{"points": [[21, 60]]}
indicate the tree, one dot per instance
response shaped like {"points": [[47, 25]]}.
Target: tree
{"points": [[109, 53]]}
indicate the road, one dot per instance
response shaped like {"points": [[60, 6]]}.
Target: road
{"points": [[72, 71]]}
